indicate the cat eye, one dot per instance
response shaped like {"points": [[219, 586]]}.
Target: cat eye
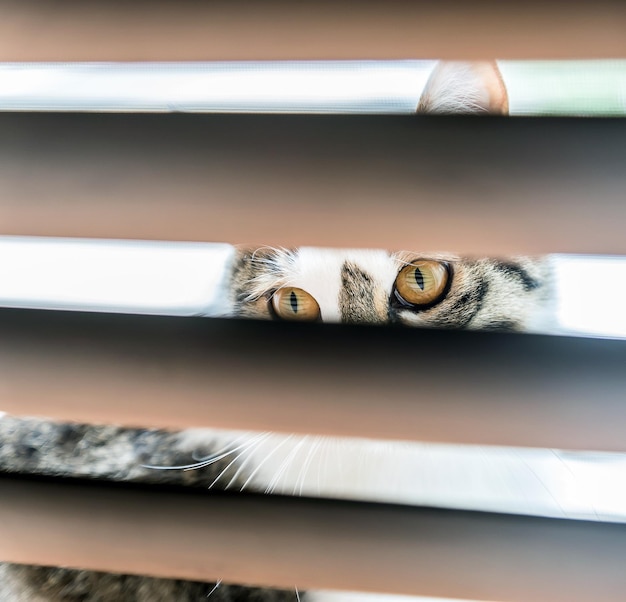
{"points": [[292, 303], [421, 283]]}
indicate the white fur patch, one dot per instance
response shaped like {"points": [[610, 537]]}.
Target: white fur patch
{"points": [[318, 272]]}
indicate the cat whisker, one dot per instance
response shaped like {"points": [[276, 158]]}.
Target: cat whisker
{"points": [[217, 584], [542, 483], [204, 463], [305, 439], [273, 272], [260, 465], [285, 465], [276, 250], [323, 456], [250, 447], [307, 463], [220, 451], [338, 456], [328, 453], [273, 484], [244, 464]]}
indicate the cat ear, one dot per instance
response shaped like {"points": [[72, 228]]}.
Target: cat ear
{"points": [[465, 87]]}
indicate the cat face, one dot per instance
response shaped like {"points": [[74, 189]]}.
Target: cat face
{"points": [[379, 287]]}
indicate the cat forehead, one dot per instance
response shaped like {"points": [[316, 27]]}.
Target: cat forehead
{"points": [[321, 272]]}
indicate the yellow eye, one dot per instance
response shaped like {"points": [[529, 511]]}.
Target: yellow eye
{"points": [[421, 282], [291, 303]]}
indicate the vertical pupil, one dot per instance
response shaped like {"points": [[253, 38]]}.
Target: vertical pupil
{"points": [[293, 301], [419, 278]]}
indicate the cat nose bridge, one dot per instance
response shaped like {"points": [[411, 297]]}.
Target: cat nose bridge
{"points": [[362, 315], [360, 301]]}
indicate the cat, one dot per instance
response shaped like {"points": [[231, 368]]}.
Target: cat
{"points": [[379, 287], [303, 284], [462, 87]]}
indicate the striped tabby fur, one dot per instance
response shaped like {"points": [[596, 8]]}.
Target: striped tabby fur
{"points": [[514, 294]]}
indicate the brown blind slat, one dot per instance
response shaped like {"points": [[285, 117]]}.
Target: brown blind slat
{"points": [[312, 544], [466, 185], [411, 384], [112, 30]]}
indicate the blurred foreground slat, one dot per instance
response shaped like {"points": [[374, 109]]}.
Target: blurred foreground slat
{"points": [[467, 185], [410, 384], [273, 541], [112, 30]]}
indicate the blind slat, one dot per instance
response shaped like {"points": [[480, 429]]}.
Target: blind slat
{"points": [[241, 30], [466, 185], [312, 544], [464, 387]]}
